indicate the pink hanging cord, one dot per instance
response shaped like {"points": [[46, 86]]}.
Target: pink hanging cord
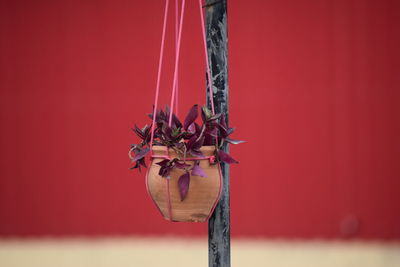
{"points": [[174, 91], [159, 72], [210, 158], [174, 96], [178, 48], [175, 81], [176, 52], [156, 99]]}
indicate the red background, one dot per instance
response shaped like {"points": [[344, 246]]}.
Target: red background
{"points": [[314, 89]]}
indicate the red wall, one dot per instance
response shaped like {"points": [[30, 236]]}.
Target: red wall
{"points": [[314, 89]]}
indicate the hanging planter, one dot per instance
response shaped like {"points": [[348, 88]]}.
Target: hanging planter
{"points": [[201, 176], [184, 178]]}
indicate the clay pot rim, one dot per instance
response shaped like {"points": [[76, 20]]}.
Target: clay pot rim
{"points": [[159, 148]]}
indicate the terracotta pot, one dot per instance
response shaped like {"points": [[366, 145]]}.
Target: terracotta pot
{"points": [[203, 194]]}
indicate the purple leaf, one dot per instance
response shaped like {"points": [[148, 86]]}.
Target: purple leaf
{"points": [[161, 116], [165, 171], [139, 132], [192, 128], [230, 130], [163, 163], [223, 131], [180, 145], [214, 117], [142, 162], [145, 129], [225, 157], [223, 121], [175, 121], [190, 143], [167, 131], [183, 184], [205, 113], [141, 154], [180, 165], [195, 143], [191, 117], [167, 111], [198, 144], [198, 129], [208, 140], [135, 166], [196, 153], [198, 171], [212, 132], [233, 141], [175, 133]]}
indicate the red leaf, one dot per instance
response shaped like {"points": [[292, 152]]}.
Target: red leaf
{"points": [[198, 144], [222, 121], [233, 141], [225, 157], [163, 163], [198, 171], [180, 165], [141, 154], [192, 128], [191, 142], [176, 121], [191, 117], [183, 183]]}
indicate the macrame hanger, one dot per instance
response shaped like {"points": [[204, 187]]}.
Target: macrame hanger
{"points": [[175, 89], [178, 36], [159, 74], [174, 96], [176, 53], [178, 44], [178, 48]]}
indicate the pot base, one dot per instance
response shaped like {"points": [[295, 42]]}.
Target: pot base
{"points": [[202, 196]]}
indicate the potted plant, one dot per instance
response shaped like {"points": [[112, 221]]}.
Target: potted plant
{"points": [[184, 178]]}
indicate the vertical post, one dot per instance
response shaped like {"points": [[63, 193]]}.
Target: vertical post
{"points": [[219, 243]]}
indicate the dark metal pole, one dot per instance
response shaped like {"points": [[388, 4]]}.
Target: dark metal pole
{"points": [[219, 241]]}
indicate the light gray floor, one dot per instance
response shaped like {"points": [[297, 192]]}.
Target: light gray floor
{"points": [[193, 252]]}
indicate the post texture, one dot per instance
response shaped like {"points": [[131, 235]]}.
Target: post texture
{"points": [[219, 253]]}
